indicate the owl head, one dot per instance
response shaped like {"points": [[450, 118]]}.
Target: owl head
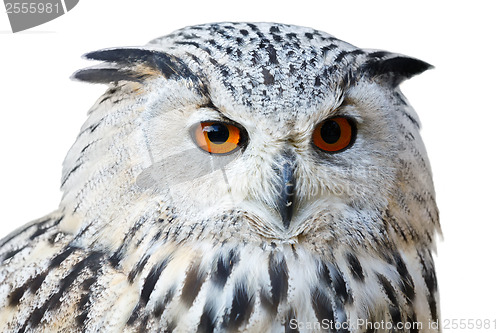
{"points": [[282, 131]]}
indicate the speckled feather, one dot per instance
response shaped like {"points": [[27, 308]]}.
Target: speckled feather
{"points": [[153, 234]]}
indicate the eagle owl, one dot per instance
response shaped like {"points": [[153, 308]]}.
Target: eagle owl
{"points": [[253, 177]]}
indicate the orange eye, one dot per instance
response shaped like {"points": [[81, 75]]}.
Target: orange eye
{"points": [[334, 134], [217, 137]]}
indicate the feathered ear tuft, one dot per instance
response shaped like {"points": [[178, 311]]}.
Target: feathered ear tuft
{"points": [[393, 68], [133, 64]]}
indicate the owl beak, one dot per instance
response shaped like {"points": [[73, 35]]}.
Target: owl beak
{"points": [[285, 199]]}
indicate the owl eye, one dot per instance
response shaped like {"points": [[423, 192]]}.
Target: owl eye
{"points": [[334, 134], [217, 137]]}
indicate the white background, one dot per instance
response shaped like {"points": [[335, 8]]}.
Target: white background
{"points": [[41, 110]]}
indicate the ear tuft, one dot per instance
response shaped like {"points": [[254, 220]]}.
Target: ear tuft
{"points": [[133, 64], [394, 68], [106, 75]]}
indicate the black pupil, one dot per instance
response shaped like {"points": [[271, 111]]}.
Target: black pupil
{"points": [[217, 133], [330, 132]]}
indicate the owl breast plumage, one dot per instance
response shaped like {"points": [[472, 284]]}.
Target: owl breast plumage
{"points": [[253, 177]]}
